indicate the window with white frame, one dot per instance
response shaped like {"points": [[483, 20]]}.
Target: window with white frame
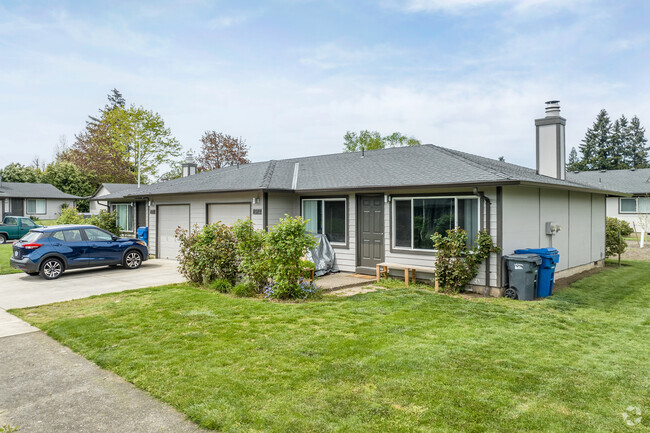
{"points": [[326, 216], [124, 213], [416, 219], [634, 205], [36, 206]]}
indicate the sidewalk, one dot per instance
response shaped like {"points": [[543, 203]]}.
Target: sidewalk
{"points": [[48, 388]]}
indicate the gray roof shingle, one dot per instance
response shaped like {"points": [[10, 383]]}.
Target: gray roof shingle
{"points": [[424, 165], [630, 181], [33, 190]]}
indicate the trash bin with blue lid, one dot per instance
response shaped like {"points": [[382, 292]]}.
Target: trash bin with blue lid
{"points": [[143, 234], [522, 275], [546, 275]]}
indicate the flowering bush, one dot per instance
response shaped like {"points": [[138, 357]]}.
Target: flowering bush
{"points": [[107, 221], [306, 289], [207, 254], [287, 243], [70, 215], [456, 265], [252, 253]]}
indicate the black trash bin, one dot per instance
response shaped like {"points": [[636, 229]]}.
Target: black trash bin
{"points": [[522, 275]]}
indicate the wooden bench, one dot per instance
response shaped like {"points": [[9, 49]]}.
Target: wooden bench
{"points": [[409, 271]]}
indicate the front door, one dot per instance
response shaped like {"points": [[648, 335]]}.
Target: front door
{"points": [[17, 207], [371, 230]]}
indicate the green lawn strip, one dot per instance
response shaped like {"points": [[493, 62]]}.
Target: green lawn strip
{"points": [[5, 253], [391, 360]]}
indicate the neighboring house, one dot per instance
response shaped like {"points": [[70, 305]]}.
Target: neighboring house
{"points": [[40, 200], [130, 213], [384, 205], [635, 208]]}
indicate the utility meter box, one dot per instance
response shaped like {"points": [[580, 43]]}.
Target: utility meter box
{"points": [[552, 228]]}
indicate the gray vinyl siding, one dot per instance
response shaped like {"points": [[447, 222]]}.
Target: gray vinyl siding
{"points": [[96, 206], [52, 208], [281, 204], [581, 240]]}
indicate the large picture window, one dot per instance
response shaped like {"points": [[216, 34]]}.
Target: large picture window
{"points": [[36, 206], [326, 216], [416, 219], [124, 216]]}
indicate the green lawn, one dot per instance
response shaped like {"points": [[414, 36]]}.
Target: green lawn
{"points": [[392, 360], [5, 254]]}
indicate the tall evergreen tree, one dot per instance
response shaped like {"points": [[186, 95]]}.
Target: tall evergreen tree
{"points": [[596, 146], [617, 150], [637, 148], [574, 163]]}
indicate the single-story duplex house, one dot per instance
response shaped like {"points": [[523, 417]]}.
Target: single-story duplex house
{"points": [[633, 208], [131, 214], [40, 200], [384, 205]]}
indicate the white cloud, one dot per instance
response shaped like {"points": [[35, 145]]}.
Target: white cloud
{"points": [[455, 6]]}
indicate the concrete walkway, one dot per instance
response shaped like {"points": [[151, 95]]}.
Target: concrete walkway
{"points": [[45, 387], [342, 280]]}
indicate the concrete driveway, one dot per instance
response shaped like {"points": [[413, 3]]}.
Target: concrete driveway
{"points": [[45, 387], [22, 290]]}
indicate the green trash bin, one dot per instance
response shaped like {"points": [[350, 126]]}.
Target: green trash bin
{"points": [[522, 276]]}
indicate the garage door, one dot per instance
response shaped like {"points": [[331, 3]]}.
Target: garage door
{"points": [[228, 213], [169, 218]]}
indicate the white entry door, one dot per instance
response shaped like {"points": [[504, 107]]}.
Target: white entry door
{"points": [[170, 217], [228, 213]]}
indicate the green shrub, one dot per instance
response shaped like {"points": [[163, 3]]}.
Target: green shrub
{"points": [[287, 243], [220, 285], [252, 253], [107, 221], [207, 254], [245, 289], [613, 243], [70, 215], [456, 265]]}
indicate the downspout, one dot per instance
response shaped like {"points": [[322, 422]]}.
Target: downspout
{"points": [[487, 202]]}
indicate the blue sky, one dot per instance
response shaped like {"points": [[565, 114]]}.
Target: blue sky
{"points": [[291, 76]]}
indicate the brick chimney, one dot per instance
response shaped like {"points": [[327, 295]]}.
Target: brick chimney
{"points": [[551, 148]]}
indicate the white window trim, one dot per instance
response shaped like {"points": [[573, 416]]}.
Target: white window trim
{"points": [[115, 205], [636, 205], [35, 200], [345, 202], [394, 217]]}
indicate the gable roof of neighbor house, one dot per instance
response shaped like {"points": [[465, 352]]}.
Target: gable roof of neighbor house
{"points": [[407, 167], [113, 188], [631, 181], [33, 190]]}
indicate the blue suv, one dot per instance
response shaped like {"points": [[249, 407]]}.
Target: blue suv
{"points": [[49, 251]]}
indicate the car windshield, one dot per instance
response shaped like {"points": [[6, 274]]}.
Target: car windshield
{"points": [[31, 237]]}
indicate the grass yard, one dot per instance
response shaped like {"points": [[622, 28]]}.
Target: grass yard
{"points": [[5, 254], [392, 360]]}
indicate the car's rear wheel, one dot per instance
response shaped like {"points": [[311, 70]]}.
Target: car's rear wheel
{"points": [[3, 239], [132, 259], [51, 269]]}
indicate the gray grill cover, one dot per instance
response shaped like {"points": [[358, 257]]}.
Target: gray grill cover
{"points": [[322, 256]]}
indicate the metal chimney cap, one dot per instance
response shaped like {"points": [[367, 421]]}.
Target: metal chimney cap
{"points": [[189, 157], [553, 108]]}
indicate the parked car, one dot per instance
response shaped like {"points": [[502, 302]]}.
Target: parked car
{"points": [[49, 251], [15, 227]]}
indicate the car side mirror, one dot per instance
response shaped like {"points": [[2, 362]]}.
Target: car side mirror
{"points": [[115, 237]]}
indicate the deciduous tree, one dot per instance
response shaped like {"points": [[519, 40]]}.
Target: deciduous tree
{"points": [[16, 172], [371, 140], [220, 150]]}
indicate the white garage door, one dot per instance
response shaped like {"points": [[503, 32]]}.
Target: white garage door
{"points": [[228, 213], [171, 217]]}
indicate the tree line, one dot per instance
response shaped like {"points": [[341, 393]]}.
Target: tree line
{"points": [[123, 144], [611, 146]]}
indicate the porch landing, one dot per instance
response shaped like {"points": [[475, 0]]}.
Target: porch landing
{"points": [[343, 280]]}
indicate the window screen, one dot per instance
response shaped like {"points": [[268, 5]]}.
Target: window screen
{"points": [[628, 205]]}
